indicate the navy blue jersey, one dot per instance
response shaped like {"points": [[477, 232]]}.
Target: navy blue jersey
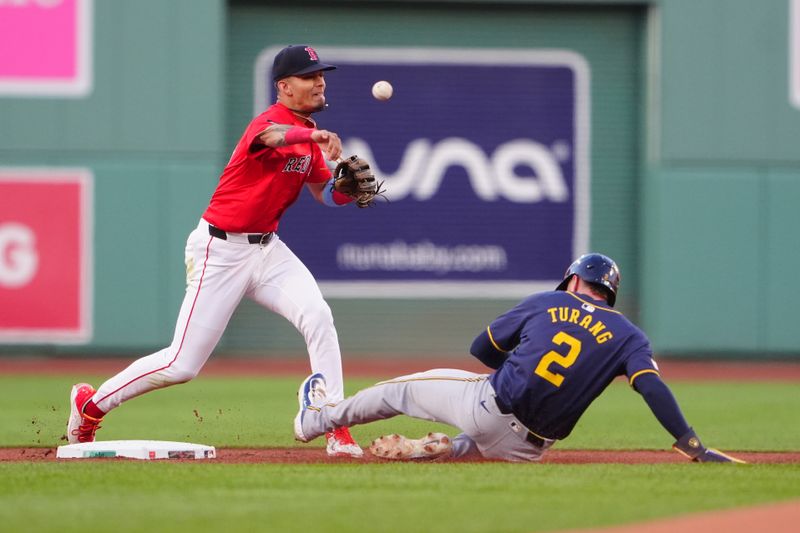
{"points": [[565, 349]]}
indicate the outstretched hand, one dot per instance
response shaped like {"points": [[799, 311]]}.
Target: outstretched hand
{"points": [[329, 142], [689, 445]]}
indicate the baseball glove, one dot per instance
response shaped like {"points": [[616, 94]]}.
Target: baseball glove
{"points": [[353, 178]]}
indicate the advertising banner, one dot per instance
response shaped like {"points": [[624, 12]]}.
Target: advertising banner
{"points": [[46, 47], [485, 157], [45, 255]]}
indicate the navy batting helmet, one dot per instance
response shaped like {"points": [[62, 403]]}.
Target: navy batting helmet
{"points": [[595, 268]]}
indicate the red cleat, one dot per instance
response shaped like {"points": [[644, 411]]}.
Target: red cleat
{"points": [[81, 427], [341, 444]]}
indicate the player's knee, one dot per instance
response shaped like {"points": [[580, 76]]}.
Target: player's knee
{"points": [[319, 315], [182, 374]]}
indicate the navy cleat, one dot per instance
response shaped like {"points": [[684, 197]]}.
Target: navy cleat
{"points": [[311, 392]]}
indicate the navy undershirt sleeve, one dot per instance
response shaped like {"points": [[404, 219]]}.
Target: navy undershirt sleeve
{"points": [[663, 404], [484, 350]]}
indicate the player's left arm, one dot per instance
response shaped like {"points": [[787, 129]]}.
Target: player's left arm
{"points": [[320, 182], [662, 402], [665, 408], [324, 193]]}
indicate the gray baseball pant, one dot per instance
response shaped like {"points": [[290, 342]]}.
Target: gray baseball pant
{"points": [[462, 399]]}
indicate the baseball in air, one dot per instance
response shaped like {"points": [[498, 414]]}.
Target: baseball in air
{"points": [[382, 90]]}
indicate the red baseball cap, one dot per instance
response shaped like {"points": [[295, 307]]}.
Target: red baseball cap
{"points": [[296, 60]]}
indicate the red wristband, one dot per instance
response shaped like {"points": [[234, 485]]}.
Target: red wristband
{"points": [[297, 135], [341, 199]]}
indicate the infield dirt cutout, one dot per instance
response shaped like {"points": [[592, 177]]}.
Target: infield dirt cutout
{"points": [[315, 454], [776, 518]]}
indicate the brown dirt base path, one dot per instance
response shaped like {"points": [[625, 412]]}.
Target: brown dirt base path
{"points": [[315, 455]]}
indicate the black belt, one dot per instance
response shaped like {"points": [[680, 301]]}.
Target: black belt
{"points": [[531, 437], [252, 238]]}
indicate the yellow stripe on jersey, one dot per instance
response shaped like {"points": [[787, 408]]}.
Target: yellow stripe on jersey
{"points": [[489, 331], [593, 304], [645, 371]]}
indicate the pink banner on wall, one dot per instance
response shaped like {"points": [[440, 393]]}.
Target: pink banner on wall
{"points": [[45, 47], [45, 255]]}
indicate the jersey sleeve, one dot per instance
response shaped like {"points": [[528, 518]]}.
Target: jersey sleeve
{"points": [[486, 352], [640, 361], [662, 403], [254, 129], [319, 172], [504, 332]]}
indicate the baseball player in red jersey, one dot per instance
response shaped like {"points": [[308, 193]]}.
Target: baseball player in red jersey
{"points": [[235, 252]]}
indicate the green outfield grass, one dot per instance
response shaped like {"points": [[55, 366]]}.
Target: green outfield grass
{"points": [[226, 412]]}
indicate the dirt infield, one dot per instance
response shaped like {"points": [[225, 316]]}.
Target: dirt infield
{"points": [[315, 455]]}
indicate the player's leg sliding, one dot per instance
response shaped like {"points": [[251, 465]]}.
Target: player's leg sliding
{"points": [[398, 447], [382, 401], [80, 426], [311, 395]]}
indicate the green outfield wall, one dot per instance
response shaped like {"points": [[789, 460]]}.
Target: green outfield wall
{"points": [[695, 160], [721, 181]]}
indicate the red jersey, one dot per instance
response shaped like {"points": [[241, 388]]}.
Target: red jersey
{"points": [[257, 186]]}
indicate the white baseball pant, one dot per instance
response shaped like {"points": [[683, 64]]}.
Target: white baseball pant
{"points": [[219, 274]]}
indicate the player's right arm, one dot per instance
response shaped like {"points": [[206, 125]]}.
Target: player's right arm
{"points": [[277, 135], [486, 351], [492, 345]]}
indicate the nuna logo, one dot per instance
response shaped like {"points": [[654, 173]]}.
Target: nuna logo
{"points": [[494, 176], [498, 138]]}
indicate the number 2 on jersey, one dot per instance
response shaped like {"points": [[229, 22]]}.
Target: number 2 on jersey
{"points": [[553, 357]]}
